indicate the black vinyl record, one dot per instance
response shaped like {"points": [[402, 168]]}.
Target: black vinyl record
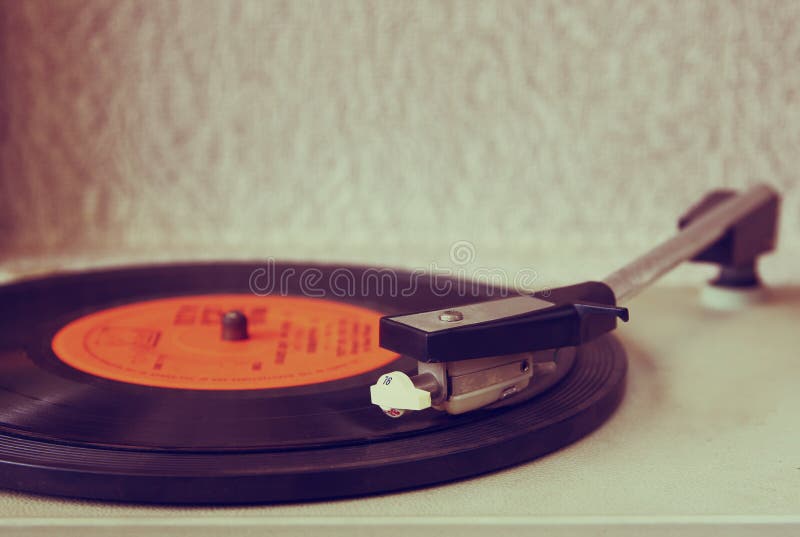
{"points": [[72, 425]]}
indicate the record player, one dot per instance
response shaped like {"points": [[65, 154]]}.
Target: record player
{"points": [[237, 383]]}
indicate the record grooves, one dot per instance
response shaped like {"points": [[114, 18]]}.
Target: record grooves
{"points": [[64, 431]]}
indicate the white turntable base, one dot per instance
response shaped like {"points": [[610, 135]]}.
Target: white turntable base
{"points": [[706, 440]]}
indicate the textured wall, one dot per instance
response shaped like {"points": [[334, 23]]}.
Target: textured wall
{"points": [[563, 136]]}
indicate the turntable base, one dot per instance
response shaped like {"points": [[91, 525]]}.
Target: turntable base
{"points": [[706, 439]]}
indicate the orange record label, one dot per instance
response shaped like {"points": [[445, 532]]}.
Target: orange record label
{"points": [[177, 343]]}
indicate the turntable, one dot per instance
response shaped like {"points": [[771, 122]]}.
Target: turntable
{"points": [[283, 384]]}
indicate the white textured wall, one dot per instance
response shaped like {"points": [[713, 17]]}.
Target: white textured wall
{"points": [[563, 136]]}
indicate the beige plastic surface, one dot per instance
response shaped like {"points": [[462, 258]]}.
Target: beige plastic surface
{"points": [[706, 439]]}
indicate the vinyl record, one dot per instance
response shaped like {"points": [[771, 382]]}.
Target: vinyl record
{"points": [[117, 385]]}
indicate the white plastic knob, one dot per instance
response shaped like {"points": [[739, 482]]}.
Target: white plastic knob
{"points": [[732, 298], [396, 390]]}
